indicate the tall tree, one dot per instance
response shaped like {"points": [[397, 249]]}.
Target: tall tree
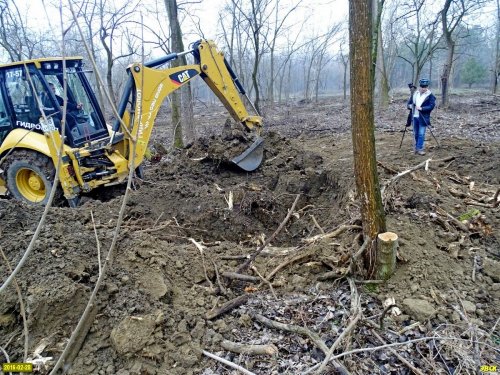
{"points": [[452, 16], [112, 20], [15, 37], [278, 26], [182, 103], [362, 123], [257, 25], [344, 60], [421, 40], [496, 61]]}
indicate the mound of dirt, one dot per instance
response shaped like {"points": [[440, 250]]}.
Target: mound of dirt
{"points": [[193, 220]]}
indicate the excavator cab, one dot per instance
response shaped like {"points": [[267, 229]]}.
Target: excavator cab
{"points": [[36, 87]]}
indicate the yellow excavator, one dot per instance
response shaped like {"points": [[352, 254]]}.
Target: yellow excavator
{"points": [[94, 153]]}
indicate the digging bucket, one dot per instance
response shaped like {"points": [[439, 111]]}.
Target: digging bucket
{"points": [[251, 158]]}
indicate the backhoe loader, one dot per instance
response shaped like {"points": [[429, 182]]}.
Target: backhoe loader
{"points": [[93, 153]]}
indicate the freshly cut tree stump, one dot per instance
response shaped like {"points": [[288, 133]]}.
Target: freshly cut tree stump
{"points": [[387, 246]]}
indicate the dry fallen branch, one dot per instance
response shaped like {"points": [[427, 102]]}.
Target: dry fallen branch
{"points": [[227, 363], [313, 336], [254, 269], [226, 307], [97, 242], [423, 164], [317, 224], [296, 259], [496, 201], [376, 348], [356, 256], [240, 276], [388, 169], [333, 234], [356, 313], [455, 221], [401, 358], [249, 349]]}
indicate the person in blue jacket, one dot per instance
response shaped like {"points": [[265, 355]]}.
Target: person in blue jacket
{"points": [[421, 103]]}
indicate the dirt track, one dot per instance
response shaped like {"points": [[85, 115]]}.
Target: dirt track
{"points": [[151, 313]]}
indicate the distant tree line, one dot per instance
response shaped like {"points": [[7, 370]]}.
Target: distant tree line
{"points": [[277, 54]]}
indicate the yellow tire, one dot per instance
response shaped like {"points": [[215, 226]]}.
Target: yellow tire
{"points": [[29, 176]]}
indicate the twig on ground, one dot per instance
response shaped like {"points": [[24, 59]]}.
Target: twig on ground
{"points": [[158, 219], [296, 259], [400, 357], [335, 233], [234, 257], [7, 359], [21, 306], [227, 363], [217, 277], [496, 202], [316, 224], [97, 242], [369, 281], [200, 248], [382, 316], [266, 281], [240, 276], [356, 313], [245, 265], [388, 169], [358, 253], [376, 348], [474, 267], [155, 228], [313, 336], [228, 306], [250, 349], [423, 164], [455, 221]]}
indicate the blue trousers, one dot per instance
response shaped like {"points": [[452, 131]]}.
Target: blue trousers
{"points": [[419, 128]]}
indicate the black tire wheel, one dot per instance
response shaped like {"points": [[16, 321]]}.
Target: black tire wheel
{"points": [[29, 177]]}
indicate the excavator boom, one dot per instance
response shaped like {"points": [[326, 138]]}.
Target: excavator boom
{"points": [[148, 86]]}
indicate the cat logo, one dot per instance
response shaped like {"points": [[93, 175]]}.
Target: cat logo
{"points": [[182, 77]]}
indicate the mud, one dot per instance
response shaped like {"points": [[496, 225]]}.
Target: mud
{"points": [[150, 315]]}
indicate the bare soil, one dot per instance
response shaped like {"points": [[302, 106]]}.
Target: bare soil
{"points": [[151, 313]]}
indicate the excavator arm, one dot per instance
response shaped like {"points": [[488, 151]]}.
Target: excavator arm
{"points": [[147, 88]]}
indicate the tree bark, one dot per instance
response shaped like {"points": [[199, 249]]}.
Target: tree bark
{"points": [[182, 100], [387, 245], [362, 122], [496, 63]]}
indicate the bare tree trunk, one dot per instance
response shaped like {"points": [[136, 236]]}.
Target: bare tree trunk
{"points": [[496, 63], [384, 80], [378, 6], [183, 99], [362, 122], [445, 76]]}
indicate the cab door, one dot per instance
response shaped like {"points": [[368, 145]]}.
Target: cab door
{"points": [[5, 117]]}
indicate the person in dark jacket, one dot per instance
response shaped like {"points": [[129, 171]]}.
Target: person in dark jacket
{"points": [[70, 106], [421, 103]]}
